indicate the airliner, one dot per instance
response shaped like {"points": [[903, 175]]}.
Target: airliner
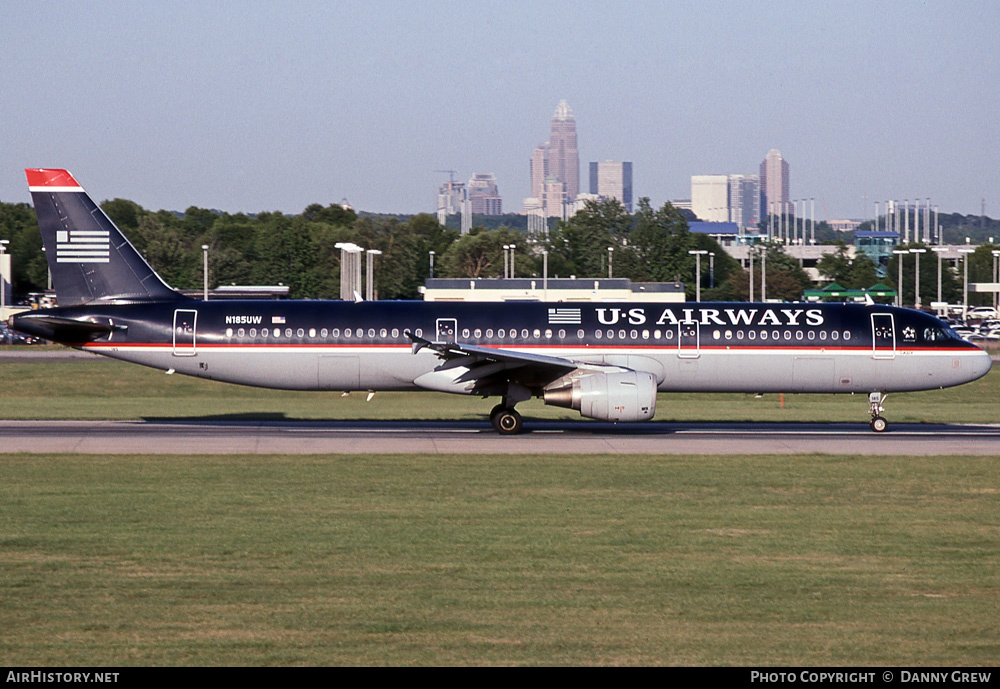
{"points": [[608, 361]]}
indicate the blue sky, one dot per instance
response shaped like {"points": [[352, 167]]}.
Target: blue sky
{"points": [[251, 106]]}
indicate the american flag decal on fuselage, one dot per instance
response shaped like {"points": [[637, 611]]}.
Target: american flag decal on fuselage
{"points": [[82, 246], [565, 316]]}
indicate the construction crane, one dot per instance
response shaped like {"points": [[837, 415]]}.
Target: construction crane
{"points": [[450, 172]]}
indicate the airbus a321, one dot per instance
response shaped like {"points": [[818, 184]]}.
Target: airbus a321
{"points": [[606, 360]]}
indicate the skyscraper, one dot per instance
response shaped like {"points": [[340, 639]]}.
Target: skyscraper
{"points": [[558, 158], [612, 180], [710, 197], [484, 196], [744, 200], [564, 158], [774, 194]]}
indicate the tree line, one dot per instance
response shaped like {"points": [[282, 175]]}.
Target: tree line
{"points": [[270, 248]]}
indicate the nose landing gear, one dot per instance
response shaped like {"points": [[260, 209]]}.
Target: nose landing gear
{"points": [[875, 400]]}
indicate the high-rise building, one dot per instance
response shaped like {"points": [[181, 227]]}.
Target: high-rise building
{"points": [[558, 158], [450, 198], [774, 194], [612, 180], [710, 197], [539, 169], [744, 200], [564, 158], [484, 198], [554, 198]]}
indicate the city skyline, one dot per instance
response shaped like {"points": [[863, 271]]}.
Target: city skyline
{"points": [[258, 107]]}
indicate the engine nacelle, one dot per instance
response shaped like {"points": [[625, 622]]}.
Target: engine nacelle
{"points": [[620, 396]]}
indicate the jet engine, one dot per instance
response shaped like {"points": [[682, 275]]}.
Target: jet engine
{"points": [[619, 396]]}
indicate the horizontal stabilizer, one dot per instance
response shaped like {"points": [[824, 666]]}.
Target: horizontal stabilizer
{"points": [[67, 330]]}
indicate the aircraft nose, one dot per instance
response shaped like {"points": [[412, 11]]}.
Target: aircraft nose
{"points": [[981, 365]]}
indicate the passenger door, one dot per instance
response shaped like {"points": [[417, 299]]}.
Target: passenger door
{"points": [[185, 323], [883, 336]]}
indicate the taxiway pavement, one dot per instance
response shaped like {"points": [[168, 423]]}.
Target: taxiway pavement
{"points": [[478, 438]]}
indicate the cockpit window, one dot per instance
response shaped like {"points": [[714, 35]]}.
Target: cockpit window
{"points": [[938, 334]]}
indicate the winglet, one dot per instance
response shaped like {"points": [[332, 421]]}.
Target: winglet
{"points": [[43, 179]]}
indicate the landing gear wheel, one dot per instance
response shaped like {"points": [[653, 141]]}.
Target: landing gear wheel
{"points": [[875, 400], [506, 421]]}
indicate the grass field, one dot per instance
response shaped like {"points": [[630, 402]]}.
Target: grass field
{"points": [[106, 389], [802, 560], [447, 559]]}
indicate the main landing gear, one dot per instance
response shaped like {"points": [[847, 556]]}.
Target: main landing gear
{"points": [[505, 420], [875, 400]]}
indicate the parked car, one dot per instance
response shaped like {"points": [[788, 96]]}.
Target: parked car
{"points": [[982, 312]]}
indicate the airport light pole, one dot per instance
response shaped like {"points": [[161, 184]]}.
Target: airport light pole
{"points": [[939, 250], [204, 250], [996, 277], [512, 247], [763, 274], [370, 274], [697, 253], [711, 270], [899, 282], [5, 273], [545, 275], [916, 276], [430, 256], [611, 253], [750, 256], [965, 282]]}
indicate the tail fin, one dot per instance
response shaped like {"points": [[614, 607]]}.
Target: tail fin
{"points": [[90, 259]]}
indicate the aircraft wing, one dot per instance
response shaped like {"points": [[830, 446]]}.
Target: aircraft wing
{"points": [[491, 371]]}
